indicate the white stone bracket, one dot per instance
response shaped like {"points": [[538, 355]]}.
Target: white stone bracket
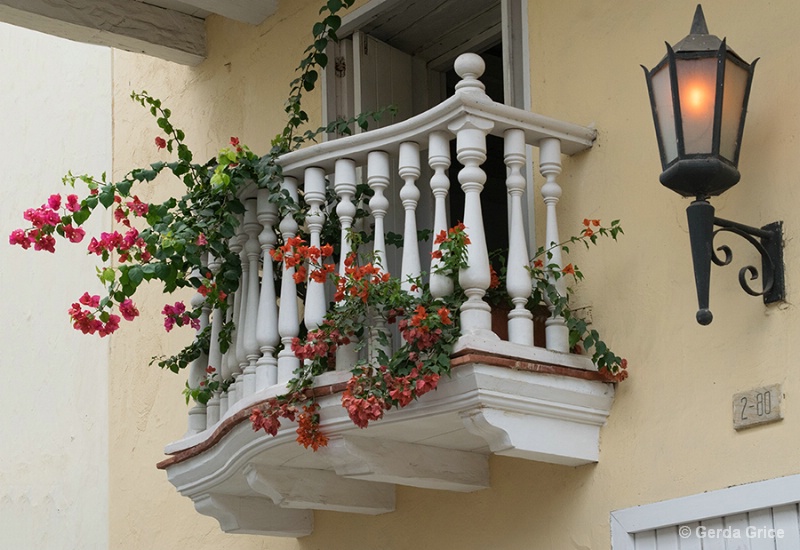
{"points": [[304, 488], [254, 516], [409, 464]]}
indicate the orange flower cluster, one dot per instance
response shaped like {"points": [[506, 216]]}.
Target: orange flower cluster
{"points": [[358, 280], [587, 230], [308, 434], [296, 253]]}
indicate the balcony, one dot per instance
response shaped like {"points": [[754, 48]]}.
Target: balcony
{"points": [[506, 397]]}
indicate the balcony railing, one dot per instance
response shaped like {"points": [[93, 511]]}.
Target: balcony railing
{"points": [[506, 397]]}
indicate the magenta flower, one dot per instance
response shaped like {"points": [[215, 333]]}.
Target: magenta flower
{"points": [[18, 236], [72, 203], [54, 202], [128, 310]]}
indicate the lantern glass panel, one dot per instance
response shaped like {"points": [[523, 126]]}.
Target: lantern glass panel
{"points": [[697, 79], [662, 94], [733, 109]]}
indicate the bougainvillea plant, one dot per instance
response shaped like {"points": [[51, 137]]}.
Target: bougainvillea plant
{"points": [[368, 301], [167, 242], [170, 243]]}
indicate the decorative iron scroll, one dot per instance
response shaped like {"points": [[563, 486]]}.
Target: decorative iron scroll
{"points": [[765, 240]]}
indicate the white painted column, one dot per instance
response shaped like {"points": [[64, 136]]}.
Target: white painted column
{"points": [[288, 317], [240, 359], [229, 357], [556, 331], [214, 352], [475, 278], [409, 194], [267, 322], [439, 161], [197, 369], [518, 278], [252, 249], [316, 304], [378, 173], [345, 188]]}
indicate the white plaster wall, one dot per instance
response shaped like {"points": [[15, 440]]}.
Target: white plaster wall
{"points": [[55, 115]]}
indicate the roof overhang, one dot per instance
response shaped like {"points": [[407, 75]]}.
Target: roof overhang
{"points": [[169, 29]]}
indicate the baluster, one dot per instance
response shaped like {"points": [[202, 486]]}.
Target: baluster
{"points": [[267, 323], [378, 180], [231, 361], [345, 188], [475, 277], [556, 331], [228, 358], [378, 174], [518, 278], [471, 152], [315, 198], [439, 161], [214, 352], [250, 310], [288, 319], [409, 195], [240, 359], [197, 370]]}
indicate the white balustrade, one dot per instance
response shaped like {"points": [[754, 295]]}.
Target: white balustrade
{"points": [[288, 316], [345, 187], [378, 174], [252, 249], [264, 322], [240, 358], [518, 278], [409, 195], [214, 352], [378, 180], [439, 160], [197, 369], [556, 331], [316, 305], [267, 322]]}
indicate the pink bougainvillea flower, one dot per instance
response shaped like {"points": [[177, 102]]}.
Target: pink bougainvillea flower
{"points": [[18, 236], [128, 310], [201, 240], [74, 234], [54, 202], [161, 143], [72, 203], [137, 206], [89, 300]]}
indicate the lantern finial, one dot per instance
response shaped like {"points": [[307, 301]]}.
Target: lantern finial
{"points": [[699, 22]]}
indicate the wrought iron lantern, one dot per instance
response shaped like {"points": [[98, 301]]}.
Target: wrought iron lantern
{"points": [[699, 93]]}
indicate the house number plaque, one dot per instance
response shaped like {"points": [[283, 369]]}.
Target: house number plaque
{"points": [[757, 406]]}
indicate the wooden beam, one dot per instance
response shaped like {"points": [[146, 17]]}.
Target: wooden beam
{"points": [[124, 24], [253, 12]]}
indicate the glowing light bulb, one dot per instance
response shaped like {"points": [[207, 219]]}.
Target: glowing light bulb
{"points": [[697, 98]]}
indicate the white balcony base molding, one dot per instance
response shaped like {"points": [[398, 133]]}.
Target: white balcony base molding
{"points": [[534, 404]]}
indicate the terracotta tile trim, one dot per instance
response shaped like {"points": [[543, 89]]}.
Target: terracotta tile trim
{"points": [[230, 423], [498, 360], [461, 358]]}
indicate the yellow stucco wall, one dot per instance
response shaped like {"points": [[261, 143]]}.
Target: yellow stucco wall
{"points": [[670, 432]]}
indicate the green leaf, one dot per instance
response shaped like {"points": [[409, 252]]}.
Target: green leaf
{"points": [[136, 274], [106, 196], [124, 187]]}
